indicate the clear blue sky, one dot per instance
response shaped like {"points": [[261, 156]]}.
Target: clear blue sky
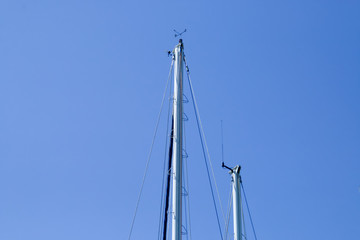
{"points": [[80, 88]]}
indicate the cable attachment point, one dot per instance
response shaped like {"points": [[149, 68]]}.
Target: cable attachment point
{"points": [[184, 192], [184, 154], [184, 230], [185, 99], [185, 117]]}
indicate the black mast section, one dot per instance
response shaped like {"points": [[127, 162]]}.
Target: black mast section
{"points": [[167, 198]]}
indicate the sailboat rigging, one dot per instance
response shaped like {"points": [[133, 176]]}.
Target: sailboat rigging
{"points": [[172, 213]]}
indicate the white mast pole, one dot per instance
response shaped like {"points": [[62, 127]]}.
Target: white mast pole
{"points": [[236, 191], [177, 143]]}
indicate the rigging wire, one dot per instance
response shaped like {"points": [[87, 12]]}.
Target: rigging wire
{"points": [[202, 135], [188, 201], [165, 157], [184, 174], [150, 152], [243, 220], [187, 188], [229, 212], [168, 223], [185, 226], [247, 205], [242, 216]]}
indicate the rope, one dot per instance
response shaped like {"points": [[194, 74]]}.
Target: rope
{"points": [[202, 135], [149, 156], [247, 205]]}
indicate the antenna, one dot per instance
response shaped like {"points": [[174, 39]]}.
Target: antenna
{"points": [[222, 150], [177, 34], [222, 142]]}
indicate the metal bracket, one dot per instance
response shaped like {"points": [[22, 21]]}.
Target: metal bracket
{"points": [[224, 166], [236, 168]]}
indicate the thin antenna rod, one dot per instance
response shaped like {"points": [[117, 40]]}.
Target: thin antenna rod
{"points": [[222, 142]]}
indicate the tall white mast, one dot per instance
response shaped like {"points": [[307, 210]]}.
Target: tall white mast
{"points": [[236, 192], [177, 143]]}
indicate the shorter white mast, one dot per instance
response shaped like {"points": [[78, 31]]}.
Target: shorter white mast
{"points": [[236, 196], [236, 191]]}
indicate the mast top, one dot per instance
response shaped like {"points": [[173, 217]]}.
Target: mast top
{"points": [[235, 169], [181, 43]]}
